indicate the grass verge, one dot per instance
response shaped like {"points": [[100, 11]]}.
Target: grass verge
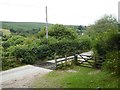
{"points": [[82, 78]]}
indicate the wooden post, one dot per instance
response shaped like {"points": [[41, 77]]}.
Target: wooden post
{"points": [[65, 57], [65, 60], [75, 59], [55, 60]]}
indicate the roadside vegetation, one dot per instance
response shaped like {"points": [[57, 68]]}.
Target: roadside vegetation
{"points": [[77, 77], [103, 38], [27, 49]]}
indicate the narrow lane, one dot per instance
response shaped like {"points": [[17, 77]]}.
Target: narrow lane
{"points": [[16, 75]]}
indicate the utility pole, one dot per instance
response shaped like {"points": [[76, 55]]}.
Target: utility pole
{"points": [[46, 24]]}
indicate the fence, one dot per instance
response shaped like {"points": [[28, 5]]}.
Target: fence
{"points": [[76, 59], [98, 62]]}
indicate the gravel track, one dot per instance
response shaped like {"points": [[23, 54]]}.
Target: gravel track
{"points": [[21, 77]]}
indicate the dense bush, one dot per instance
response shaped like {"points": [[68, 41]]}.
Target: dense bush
{"points": [[85, 42], [106, 23], [61, 41], [106, 42], [34, 43], [112, 62], [22, 53], [112, 54], [49, 41], [12, 41], [9, 62], [5, 37], [66, 47], [5, 45], [59, 32], [62, 47]]}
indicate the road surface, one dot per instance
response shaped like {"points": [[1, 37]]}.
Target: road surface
{"points": [[20, 77]]}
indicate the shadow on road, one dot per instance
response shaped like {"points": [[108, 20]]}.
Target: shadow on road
{"points": [[47, 65]]}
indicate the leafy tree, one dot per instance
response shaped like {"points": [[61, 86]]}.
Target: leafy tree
{"points": [[106, 39], [59, 32], [22, 53], [14, 40], [85, 42], [107, 23], [5, 37], [5, 45]]}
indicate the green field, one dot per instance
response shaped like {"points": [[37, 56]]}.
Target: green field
{"points": [[22, 25], [82, 78], [27, 26]]}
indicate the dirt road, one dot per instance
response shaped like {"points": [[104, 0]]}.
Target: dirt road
{"points": [[21, 77]]}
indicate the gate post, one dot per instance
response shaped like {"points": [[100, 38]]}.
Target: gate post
{"points": [[55, 61], [75, 61]]}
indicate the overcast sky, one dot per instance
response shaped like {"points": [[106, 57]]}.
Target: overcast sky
{"points": [[71, 12]]}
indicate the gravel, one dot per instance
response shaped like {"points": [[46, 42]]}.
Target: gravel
{"points": [[21, 77]]}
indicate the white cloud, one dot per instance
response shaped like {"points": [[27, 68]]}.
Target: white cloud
{"points": [[59, 11]]}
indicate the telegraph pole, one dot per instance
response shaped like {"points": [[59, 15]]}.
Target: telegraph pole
{"points": [[46, 24]]}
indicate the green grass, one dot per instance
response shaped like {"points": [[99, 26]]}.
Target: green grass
{"points": [[83, 78]]}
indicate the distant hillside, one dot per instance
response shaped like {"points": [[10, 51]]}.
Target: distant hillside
{"points": [[33, 27], [22, 25], [26, 25]]}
